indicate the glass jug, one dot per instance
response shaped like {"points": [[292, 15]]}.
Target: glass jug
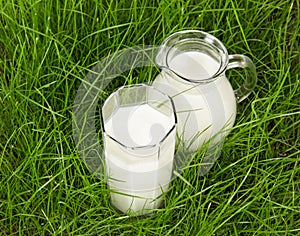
{"points": [[193, 65]]}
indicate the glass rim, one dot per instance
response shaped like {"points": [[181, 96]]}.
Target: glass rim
{"points": [[139, 147]]}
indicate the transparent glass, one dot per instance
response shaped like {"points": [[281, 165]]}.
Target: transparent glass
{"points": [[139, 133], [193, 66]]}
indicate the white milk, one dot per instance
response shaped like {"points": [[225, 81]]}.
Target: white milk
{"points": [[194, 65], [141, 172], [202, 109], [138, 125]]}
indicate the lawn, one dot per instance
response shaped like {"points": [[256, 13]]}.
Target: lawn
{"points": [[48, 47]]}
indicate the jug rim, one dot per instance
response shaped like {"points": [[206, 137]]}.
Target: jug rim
{"points": [[197, 35]]}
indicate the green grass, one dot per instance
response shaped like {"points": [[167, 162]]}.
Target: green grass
{"points": [[46, 49]]}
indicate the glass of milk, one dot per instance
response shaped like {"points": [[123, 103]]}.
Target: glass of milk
{"points": [[139, 134]]}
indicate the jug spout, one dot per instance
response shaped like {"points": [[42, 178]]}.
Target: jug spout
{"points": [[160, 59]]}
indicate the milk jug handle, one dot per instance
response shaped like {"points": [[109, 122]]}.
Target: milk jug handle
{"points": [[241, 61]]}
